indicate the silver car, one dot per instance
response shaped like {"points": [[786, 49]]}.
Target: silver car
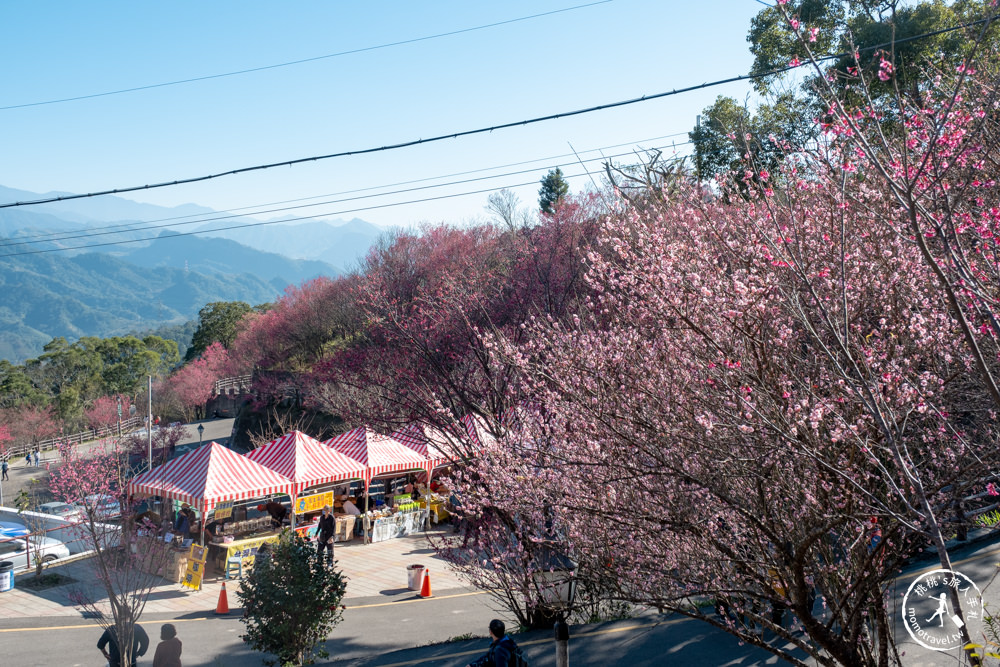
{"points": [[62, 510], [16, 552]]}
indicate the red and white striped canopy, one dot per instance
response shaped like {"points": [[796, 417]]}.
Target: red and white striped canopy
{"points": [[209, 475], [428, 441], [475, 426], [380, 453], [305, 461]]}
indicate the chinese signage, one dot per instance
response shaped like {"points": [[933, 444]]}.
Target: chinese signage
{"points": [[246, 550], [195, 568], [224, 510], [313, 503]]}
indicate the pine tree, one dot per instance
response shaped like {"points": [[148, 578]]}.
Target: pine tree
{"points": [[554, 189]]}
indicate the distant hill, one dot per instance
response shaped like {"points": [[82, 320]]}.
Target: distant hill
{"points": [[342, 244], [159, 279], [221, 256], [49, 295]]}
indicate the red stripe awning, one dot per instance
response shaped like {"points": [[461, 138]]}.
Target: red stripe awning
{"points": [[209, 475], [379, 453], [306, 462]]}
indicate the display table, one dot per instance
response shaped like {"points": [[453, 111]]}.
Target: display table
{"points": [[396, 525], [344, 529], [162, 559], [245, 548], [438, 511]]}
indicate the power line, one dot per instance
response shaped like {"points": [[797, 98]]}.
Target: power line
{"points": [[201, 217], [20, 241], [304, 60], [484, 130], [275, 222]]}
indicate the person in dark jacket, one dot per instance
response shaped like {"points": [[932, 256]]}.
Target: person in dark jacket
{"points": [[108, 644], [501, 650], [277, 511], [324, 535]]}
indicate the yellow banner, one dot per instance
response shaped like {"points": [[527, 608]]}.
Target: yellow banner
{"points": [[224, 510], [313, 503], [247, 549], [197, 553], [192, 577]]}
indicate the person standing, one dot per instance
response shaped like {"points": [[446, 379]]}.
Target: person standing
{"points": [[324, 535], [168, 651], [501, 651], [36, 457], [4, 466], [108, 645]]}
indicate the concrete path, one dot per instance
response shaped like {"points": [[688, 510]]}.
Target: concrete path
{"points": [[373, 571]]}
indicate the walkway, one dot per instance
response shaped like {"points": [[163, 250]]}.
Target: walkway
{"points": [[373, 570]]}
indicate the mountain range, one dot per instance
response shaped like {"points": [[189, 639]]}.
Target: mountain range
{"points": [[107, 266]]}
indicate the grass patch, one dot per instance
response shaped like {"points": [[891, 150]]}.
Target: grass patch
{"points": [[461, 638]]}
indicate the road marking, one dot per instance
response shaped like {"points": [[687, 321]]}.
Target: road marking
{"points": [[593, 633], [188, 620]]}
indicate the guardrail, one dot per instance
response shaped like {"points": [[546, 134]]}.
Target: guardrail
{"points": [[240, 382], [20, 449]]}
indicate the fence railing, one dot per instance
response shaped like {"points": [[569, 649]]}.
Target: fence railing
{"points": [[240, 382], [20, 449]]}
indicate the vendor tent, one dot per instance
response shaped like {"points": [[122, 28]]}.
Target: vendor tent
{"points": [[479, 434], [209, 475], [428, 441], [306, 461], [379, 453]]}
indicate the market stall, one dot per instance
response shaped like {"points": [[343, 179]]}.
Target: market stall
{"points": [[382, 456], [309, 465], [438, 450], [214, 476]]}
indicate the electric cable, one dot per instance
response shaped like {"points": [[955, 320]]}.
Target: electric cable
{"points": [[303, 60], [485, 130]]}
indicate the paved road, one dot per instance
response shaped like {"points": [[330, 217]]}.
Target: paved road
{"points": [[219, 430]]}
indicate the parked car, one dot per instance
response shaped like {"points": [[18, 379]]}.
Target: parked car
{"points": [[62, 510], [11, 529], [16, 551], [103, 506]]}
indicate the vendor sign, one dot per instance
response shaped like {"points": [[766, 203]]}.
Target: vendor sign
{"points": [[247, 549], [224, 510], [195, 568], [313, 503]]}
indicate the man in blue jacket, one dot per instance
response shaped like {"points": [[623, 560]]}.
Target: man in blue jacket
{"points": [[501, 651]]}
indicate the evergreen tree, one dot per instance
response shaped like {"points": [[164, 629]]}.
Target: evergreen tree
{"points": [[291, 602], [554, 189]]}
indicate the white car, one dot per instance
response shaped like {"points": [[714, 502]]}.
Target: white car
{"points": [[104, 507], [62, 510], [16, 552]]}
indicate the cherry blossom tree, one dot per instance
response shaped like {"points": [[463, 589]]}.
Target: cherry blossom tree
{"points": [[127, 559]]}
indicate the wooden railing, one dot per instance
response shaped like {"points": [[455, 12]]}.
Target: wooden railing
{"points": [[240, 382], [19, 449]]}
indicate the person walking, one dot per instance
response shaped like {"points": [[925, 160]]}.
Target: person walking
{"points": [[108, 645], [503, 652], [27, 460], [35, 455], [4, 466], [168, 651], [324, 535]]}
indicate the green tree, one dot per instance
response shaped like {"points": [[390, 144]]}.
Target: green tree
{"points": [[291, 603], [728, 131], [840, 26], [554, 189], [218, 322]]}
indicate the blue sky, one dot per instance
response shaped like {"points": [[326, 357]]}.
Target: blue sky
{"points": [[574, 59]]}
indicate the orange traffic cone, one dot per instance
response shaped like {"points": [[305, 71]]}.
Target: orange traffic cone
{"points": [[223, 606], [425, 588]]}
